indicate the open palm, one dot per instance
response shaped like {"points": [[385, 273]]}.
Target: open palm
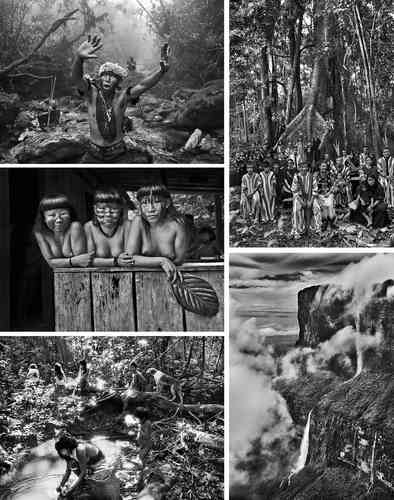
{"points": [[88, 48]]}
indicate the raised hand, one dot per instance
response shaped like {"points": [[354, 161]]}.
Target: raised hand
{"points": [[164, 54], [88, 48]]}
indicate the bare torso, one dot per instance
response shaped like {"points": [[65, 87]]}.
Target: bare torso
{"points": [[159, 240], [104, 246], [119, 104], [61, 245]]}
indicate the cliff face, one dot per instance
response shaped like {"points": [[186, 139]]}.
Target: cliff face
{"points": [[325, 309], [352, 424]]}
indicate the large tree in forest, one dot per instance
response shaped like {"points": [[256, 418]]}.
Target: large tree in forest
{"points": [[329, 75]]}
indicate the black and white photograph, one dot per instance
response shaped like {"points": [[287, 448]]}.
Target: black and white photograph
{"points": [[111, 418], [311, 123], [112, 249], [112, 81], [311, 376]]}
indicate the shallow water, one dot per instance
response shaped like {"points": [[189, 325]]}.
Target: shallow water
{"points": [[41, 474]]}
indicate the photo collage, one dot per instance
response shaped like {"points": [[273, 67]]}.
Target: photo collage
{"points": [[197, 232]]}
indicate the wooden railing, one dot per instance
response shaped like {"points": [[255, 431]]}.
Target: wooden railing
{"points": [[121, 299]]}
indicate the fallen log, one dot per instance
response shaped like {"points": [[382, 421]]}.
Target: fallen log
{"points": [[157, 402]]}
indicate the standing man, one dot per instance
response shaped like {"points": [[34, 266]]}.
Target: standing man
{"points": [[267, 192], [385, 168], [107, 102], [306, 208]]}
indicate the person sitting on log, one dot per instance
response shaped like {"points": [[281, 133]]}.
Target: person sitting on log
{"points": [[158, 237], [95, 477], [267, 191], [369, 207], [108, 231], [59, 235], [107, 102], [306, 208], [137, 380], [250, 196]]}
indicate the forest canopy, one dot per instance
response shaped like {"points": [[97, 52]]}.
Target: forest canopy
{"points": [[318, 69]]}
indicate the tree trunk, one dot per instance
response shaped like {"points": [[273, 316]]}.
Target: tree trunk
{"points": [[189, 356], [295, 39], [370, 88], [202, 357], [266, 99], [219, 363]]}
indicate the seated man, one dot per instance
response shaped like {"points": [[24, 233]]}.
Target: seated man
{"points": [[306, 208], [107, 102], [325, 185]]}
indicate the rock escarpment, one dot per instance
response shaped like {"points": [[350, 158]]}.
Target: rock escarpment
{"points": [[352, 425]]}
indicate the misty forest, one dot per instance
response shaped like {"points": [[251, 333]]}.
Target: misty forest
{"points": [[156, 446], [178, 120], [312, 81], [317, 422]]}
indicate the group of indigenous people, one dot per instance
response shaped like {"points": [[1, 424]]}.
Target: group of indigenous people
{"points": [[157, 237], [358, 189]]}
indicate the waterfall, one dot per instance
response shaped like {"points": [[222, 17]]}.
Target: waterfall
{"points": [[303, 450], [304, 446], [359, 358]]}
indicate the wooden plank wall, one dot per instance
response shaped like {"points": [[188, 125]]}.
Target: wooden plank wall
{"points": [[113, 305], [73, 307], [157, 309], [197, 323], [119, 300]]}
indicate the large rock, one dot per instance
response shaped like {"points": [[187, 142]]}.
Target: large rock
{"points": [[10, 105], [203, 110], [324, 309]]}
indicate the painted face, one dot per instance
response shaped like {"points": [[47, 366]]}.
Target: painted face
{"points": [[152, 208], [57, 219], [365, 151], [107, 213], [386, 153], [108, 81], [249, 169], [290, 164], [369, 162]]}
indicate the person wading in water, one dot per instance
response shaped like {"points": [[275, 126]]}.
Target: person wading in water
{"points": [[107, 102]]}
